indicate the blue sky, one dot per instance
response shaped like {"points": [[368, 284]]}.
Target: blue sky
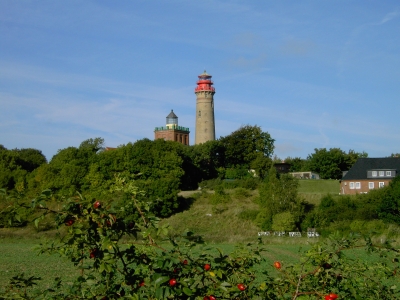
{"points": [[314, 74]]}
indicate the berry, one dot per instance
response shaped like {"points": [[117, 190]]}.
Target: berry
{"points": [[185, 262], [277, 265], [172, 282], [93, 253], [241, 286], [207, 267], [96, 205], [69, 222]]}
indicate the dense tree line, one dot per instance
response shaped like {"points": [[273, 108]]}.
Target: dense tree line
{"points": [[329, 164], [161, 168]]}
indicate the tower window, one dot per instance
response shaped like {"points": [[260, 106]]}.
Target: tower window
{"points": [[199, 113]]}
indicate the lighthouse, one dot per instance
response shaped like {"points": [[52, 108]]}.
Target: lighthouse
{"points": [[172, 131], [205, 124]]}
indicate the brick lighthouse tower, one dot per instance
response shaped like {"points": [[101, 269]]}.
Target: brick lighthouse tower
{"points": [[172, 131], [205, 125]]}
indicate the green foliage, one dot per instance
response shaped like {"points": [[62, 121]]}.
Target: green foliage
{"points": [[239, 172], [241, 193], [208, 158], [261, 164], [249, 214], [389, 208], [210, 184], [220, 196], [284, 221], [142, 268], [16, 166], [244, 145], [330, 164], [297, 164], [279, 194], [264, 219]]}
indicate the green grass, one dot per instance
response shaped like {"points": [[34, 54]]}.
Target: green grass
{"points": [[319, 186], [313, 190], [19, 256]]}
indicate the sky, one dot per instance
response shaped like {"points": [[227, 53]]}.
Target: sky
{"points": [[313, 74]]}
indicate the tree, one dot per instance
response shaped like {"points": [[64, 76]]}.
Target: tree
{"points": [[284, 221], [389, 209], [243, 145], [297, 164], [261, 164], [329, 164], [279, 194], [29, 159], [93, 145], [352, 157], [207, 158]]}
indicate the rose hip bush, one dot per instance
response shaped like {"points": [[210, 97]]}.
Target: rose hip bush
{"points": [[125, 259]]}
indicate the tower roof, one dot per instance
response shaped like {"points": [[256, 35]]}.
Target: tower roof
{"points": [[172, 115], [204, 75]]}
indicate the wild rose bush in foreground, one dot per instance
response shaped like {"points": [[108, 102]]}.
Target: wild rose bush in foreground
{"points": [[99, 242]]}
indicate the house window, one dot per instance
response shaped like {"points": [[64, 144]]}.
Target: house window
{"points": [[381, 184], [388, 173], [352, 185], [358, 185], [370, 185], [374, 173], [381, 173]]}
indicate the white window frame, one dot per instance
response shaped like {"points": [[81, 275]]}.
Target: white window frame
{"points": [[351, 185], [381, 184], [374, 173], [388, 173], [381, 173], [371, 185], [358, 185]]}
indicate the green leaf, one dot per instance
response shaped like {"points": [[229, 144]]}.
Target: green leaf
{"points": [[187, 291], [161, 280]]}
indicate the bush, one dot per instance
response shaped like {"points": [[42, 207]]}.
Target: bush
{"points": [[210, 184], [241, 193], [283, 222], [188, 269]]}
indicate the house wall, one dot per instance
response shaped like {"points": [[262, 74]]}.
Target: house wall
{"points": [[360, 185], [173, 135]]}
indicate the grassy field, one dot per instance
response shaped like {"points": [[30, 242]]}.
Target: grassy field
{"points": [[313, 190], [19, 255], [219, 224]]}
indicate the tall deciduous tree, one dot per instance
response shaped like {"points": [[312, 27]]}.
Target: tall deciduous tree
{"points": [[297, 164], [207, 158], [244, 145], [331, 163]]}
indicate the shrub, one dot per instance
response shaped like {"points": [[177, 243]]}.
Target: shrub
{"points": [[283, 222], [210, 184], [241, 193], [188, 269]]}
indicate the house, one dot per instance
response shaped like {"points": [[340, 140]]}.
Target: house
{"points": [[282, 167], [368, 174], [305, 175]]}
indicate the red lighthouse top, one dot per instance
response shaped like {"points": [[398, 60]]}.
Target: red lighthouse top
{"points": [[204, 83]]}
